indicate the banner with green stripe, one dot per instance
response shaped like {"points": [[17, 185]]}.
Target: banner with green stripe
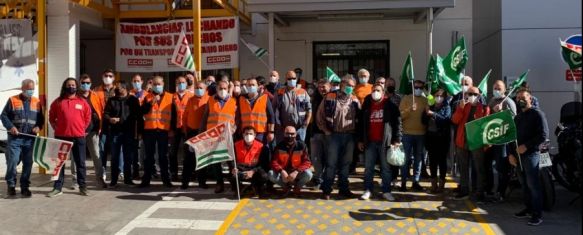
{"points": [[213, 146], [51, 154]]}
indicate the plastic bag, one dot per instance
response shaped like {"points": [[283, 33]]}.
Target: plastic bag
{"points": [[396, 156]]}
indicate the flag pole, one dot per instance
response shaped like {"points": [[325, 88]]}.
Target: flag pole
{"points": [[519, 160], [413, 95], [574, 84], [237, 179], [25, 134]]}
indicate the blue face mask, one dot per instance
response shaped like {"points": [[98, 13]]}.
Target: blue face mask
{"points": [[292, 83], [252, 89], [181, 86], [85, 86], [137, 86], [199, 92], [29, 93], [158, 89], [497, 94]]}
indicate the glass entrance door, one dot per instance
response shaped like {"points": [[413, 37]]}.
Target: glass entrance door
{"points": [[348, 57]]}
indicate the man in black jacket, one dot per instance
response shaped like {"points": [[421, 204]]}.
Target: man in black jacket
{"points": [[121, 112], [318, 139]]}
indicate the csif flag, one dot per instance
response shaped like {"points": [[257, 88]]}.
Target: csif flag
{"points": [[331, 76], [449, 85], [455, 61], [484, 84], [495, 129], [257, 51], [182, 55], [51, 154], [432, 73], [514, 86], [213, 146], [571, 52], [407, 76]]}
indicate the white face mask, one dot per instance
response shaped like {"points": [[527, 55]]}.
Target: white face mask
{"points": [[376, 95], [497, 94], [222, 94], [363, 80], [465, 88], [237, 90], [418, 92], [107, 80], [438, 99], [273, 79], [472, 99], [249, 139]]}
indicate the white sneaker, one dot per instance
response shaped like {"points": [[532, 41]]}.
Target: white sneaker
{"points": [[365, 195], [389, 197], [74, 186]]}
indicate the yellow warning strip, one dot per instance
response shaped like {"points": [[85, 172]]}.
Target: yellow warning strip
{"points": [[480, 219], [231, 217]]}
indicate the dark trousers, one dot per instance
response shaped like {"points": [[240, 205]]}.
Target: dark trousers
{"points": [[121, 141], [153, 139], [176, 146], [189, 164], [530, 180], [78, 153], [437, 149], [496, 160]]}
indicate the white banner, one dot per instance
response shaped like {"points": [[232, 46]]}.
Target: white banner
{"points": [[51, 154], [17, 53], [148, 47], [213, 146]]}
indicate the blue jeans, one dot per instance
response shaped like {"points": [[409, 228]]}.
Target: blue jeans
{"points": [[530, 180], [121, 141], [19, 149], [78, 153], [373, 153], [153, 139], [301, 180], [301, 132], [318, 156], [413, 146], [340, 149]]}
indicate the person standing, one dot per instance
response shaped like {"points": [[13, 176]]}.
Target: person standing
{"points": [[273, 86], [191, 127], [255, 110], [94, 129], [363, 88], [337, 117], [122, 112], [532, 131], [104, 92], [181, 98], [22, 114], [139, 155], [412, 108], [380, 130], [69, 116], [292, 108], [391, 91], [437, 118], [318, 145], [159, 112]]}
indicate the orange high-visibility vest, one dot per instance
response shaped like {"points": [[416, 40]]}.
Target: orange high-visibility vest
{"points": [[181, 107], [194, 111], [218, 115], [256, 116], [160, 114], [19, 118]]}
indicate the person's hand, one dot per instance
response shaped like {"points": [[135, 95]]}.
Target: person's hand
{"points": [[284, 176], [113, 120], [396, 144], [414, 106], [428, 112], [521, 149], [156, 98], [512, 160], [36, 130], [361, 146], [497, 107], [462, 103], [234, 171], [14, 131], [293, 176], [270, 137], [249, 174]]}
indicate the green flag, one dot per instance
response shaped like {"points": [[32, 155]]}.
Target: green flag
{"points": [[407, 76], [432, 73], [484, 84], [449, 85], [514, 86], [498, 128], [571, 56], [455, 62], [331, 76]]}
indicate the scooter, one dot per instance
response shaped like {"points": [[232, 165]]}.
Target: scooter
{"points": [[568, 163]]}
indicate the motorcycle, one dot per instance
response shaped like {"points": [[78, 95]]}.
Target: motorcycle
{"points": [[567, 164]]}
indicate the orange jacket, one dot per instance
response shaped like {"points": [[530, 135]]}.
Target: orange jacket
{"points": [[217, 115], [160, 114], [362, 90], [299, 158], [101, 93], [194, 111], [460, 118], [181, 107], [248, 157]]}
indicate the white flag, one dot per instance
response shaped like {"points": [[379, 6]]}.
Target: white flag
{"points": [[51, 154], [182, 55], [258, 51], [213, 146]]}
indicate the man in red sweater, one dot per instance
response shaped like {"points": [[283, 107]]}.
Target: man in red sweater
{"points": [[69, 116], [290, 164]]}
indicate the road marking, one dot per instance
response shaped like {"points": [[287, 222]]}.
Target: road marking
{"points": [[229, 220], [485, 225]]}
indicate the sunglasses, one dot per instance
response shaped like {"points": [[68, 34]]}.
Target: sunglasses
{"points": [[291, 78], [85, 82], [473, 94], [108, 76]]}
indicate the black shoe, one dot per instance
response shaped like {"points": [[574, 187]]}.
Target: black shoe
{"points": [[203, 185], [175, 178], [11, 192], [403, 188], [155, 176], [219, 188], [326, 196], [461, 196], [168, 184], [184, 186], [129, 183], [535, 221], [25, 192], [417, 187], [347, 195], [523, 214], [143, 185], [136, 175]]}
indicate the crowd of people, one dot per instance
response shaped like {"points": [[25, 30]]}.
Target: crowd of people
{"points": [[289, 133]]}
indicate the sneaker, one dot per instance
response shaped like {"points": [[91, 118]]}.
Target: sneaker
{"points": [[523, 214], [417, 187], [25, 192], [54, 193], [534, 221], [83, 192], [389, 197], [347, 195], [461, 196], [120, 176], [11, 192], [74, 186], [365, 195]]}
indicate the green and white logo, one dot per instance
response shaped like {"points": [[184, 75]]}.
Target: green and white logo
{"points": [[494, 129]]}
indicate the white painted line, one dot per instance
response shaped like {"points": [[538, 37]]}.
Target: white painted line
{"points": [[178, 224], [197, 205]]}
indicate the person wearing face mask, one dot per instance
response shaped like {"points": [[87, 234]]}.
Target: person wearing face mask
{"points": [[380, 129], [292, 108], [531, 131], [190, 81], [192, 118], [337, 118], [140, 93], [23, 113], [301, 81], [255, 110], [467, 83], [252, 158], [104, 92], [290, 164], [412, 108], [236, 89], [273, 86], [467, 111], [159, 112], [534, 100], [391, 91], [363, 88], [122, 112], [437, 118], [181, 98], [497, 153], [221, 108], [211, 85], [92, 132], [69, 116], [318, 144]]}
